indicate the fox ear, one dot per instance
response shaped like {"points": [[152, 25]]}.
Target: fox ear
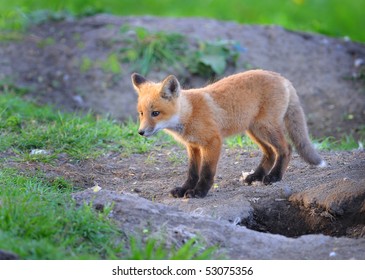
{"points": [[170, 87], [137, 80]]}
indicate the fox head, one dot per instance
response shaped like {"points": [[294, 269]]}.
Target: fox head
{"points": [[158, 105]]}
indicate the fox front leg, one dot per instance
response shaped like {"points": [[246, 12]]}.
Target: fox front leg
{"points": [[193, 172], [210, 156]]}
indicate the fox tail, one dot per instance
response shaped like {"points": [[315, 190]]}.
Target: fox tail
{"points": [[298, 132]]}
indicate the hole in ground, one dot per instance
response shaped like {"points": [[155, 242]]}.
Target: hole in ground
{"points": [[281, 217]]}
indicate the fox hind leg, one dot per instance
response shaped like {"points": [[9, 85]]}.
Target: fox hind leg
{"points": [[267, 161], [282, 149]]}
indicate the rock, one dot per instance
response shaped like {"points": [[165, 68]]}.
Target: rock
{"points": [[133, 214], [238, 208]]}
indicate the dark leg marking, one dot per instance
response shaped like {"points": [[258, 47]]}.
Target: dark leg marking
{"points": [[204, 184]]}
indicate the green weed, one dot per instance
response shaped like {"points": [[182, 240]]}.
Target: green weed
{"points": [[240, 141], [112, 64], [7, 86], [176, 158], [345, 143], [148, 49], [155, 250], [213, 58], [49, 41], [86, 64]]}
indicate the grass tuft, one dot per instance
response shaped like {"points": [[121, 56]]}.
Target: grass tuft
{"points": [[155, 250]]}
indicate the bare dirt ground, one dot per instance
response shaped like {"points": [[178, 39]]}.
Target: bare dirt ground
{"points": [[261, 207], [328, 201]]}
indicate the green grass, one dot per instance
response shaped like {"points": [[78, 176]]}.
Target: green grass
{"points": [[333, 17], [154, 250], [39, 220], [26, 127], [240, 142], [346, 143]]}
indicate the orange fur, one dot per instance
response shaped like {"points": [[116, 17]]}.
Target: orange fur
{"points": [[261, 103]]}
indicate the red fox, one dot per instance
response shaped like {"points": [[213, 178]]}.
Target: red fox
{"points": [[261, 103]]}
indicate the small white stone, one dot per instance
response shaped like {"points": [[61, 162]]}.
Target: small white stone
{"points": [[323, 164], [39, 152], [245, 174], [358, 62]]}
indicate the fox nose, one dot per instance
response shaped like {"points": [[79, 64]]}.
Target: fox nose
{"points": [[141, 132]]}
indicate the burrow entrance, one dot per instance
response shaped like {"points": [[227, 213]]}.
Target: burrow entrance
{"points": [[282, 217]]}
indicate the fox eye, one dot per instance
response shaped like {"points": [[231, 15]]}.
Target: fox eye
{"points": [[141, 114], [155, 113]]}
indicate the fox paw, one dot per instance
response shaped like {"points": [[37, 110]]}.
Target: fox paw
{"points": [[178, 192], [269, 179], [252, 178], [195, 194]]}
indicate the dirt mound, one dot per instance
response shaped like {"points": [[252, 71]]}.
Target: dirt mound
{"points": [[63, 63]]}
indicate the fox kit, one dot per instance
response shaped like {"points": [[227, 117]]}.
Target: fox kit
{"points": [[261, 103]]}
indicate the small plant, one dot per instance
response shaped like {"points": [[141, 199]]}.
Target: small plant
{"points": [[111, 64], [240, 141], [49, 41], [154, 250], [345, 143], [8, 86], [86, 64], [213, 58], [61, 183], [13, 123], [147, 51]]}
